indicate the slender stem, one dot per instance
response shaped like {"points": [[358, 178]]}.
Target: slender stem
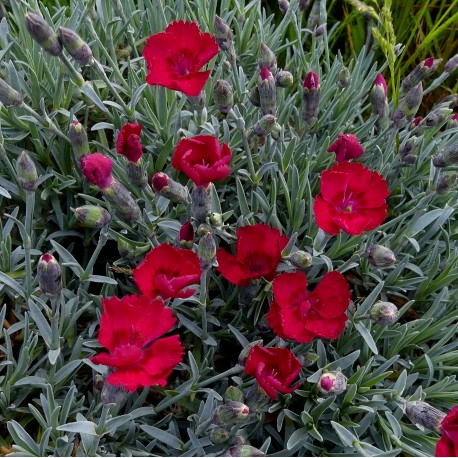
{"points": [[103, 237], [203, 304], [29, 210], [233, 61], [232, 371], [76, 76]]}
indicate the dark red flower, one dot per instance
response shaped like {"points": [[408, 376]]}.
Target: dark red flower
{"points": [[202, 159], [130, 329], [166, 271], [302, 316], [174, 57], [417, 120], [97, 169], [258, 251], [128, 142], [274, 368], [311, 81], [352, 198], [448, 443], [346, 147]]}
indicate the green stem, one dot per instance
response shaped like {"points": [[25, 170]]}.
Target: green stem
{"points": [[29, 210], [103, 237], [76, 76], [233, 61], [203, 304]]}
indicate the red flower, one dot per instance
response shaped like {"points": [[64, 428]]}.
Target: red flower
{"points": [[274, 369], [97, 169], [174, 57], [352, 198], [166, 271], [346, 147], [258, 250], [298, 315], [202, 159], [448, 443], [130, 329], [128, 142]]}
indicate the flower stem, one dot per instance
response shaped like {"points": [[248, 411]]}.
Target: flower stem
{"points": [[29, 210], [232, 371], [103, 237], [203, 305]]}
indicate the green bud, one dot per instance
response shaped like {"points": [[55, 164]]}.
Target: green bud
{"points": [[421, 413], [254, 96], [206, 250], [49, 275], [218, 435], [446, 156], [446, 183], [231, 412], [9, 96], [112, 394], [224, 98], [267, 92], [78, 139], [203, 229], [267, 58], [309, 359], [26, 172], [422, 71], [256, 398], [216, 219], [332, 383], [244, 450], [237, 440], [233, 394], [121, 199], [284, 79], [384, 313], [43, 34], [169, 188], [275, 133], [408, 106], [223, 34], [344, 78], [438, 116], [198, 102], [136, 173], [380, 256], [201, 203], [407, 151], [283, 5], [300, 259], [125, 249], [92, 216], [265, 125], [75, 46]]}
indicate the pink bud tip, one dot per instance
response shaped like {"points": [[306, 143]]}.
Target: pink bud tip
{"points": [[380, 81], [455, 117], [326, 383], [160, 180], [75, 123], [187, 232], [311, 81], [47, 257], [429, 62], [417, 120], [265, 73]]}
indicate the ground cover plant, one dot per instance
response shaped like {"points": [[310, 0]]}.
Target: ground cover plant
{"points": [[220, 238]]}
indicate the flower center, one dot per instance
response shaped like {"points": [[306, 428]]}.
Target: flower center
{"points": [[182, 65]]}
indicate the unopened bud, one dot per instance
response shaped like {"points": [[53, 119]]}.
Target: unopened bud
{"points": [[344, 78], [267, 92], [256, 398], [379, 101], [380, 256], [206, 250], [422, 71], [254, 96], [407, 151], [446, 156], [49, 275], [218, 435], [112, 394], [246, 351], [276, 131], [237, 440], [303, 4], [300, 259], [231, 412], [233, 394], [264, 126], [446, 183], [453, 123], [9, 96], [198, 102], [421, 413], [125, 249], [78, 139], [223, 34], [267, 59], [311, 98], [243, 450], [384, 313], [136, 173], [451, 100], [185, 238], [204, 229], [216, 219], [92, 216], [43, 34], [408, 106], [169, 188], [26, 172], [319, 31], [121, 199], [451, 64], [332, 383], [437, 116], [201, 203], [314, 17], [417, 121], [224, 98], [75, 46], [283, 5], [98, 382], [284, 79]]}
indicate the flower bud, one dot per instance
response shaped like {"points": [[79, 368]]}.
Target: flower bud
{"points": [[231, 412], [276, 131], [26, 172], [233, 394], [451, 64], [223, 34], [384, 313], [237, 441], [446, 156], [422, 71], [206, 250], [49, 275], [437, 116], [121, 199], [417, 121], [78, 139], [92, 216], [407, 151], [283, 5], [267, 59], [267, 92], [254, 96], [300, 259], [379, 101], [97, 169], [222, 93], [344, 77], [216, 219], [43, 34], [170, 189], [98, 382], [446, 183], [451, 100], [265, 125], [75, 46], [380, 256], [201, 203], [408, 106], [314, 17], [284, 79], [9, 96], [112, 394], [243, 450], [246, 351], [185, 238], [319, 31], [303, 5], [198, 102], [204, 229], [218, 435], [136, 173], [256, 398], [332, 383], [346, 147], [453, 123], [311, 98], [421, 413]]}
